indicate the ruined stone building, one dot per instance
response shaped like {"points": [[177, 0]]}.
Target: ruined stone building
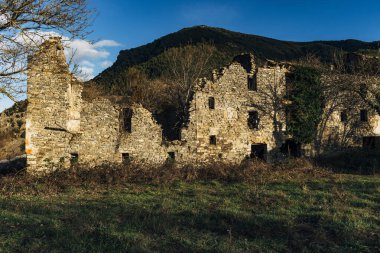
{"points": [[236, 115]]}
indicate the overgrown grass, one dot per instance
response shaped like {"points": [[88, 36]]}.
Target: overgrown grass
{"points": [[285, 208]]}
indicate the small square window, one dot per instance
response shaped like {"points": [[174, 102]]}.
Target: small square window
{"points": [[212, 139], [363, 115], [74, 158], [125, 158], [343, 116], [171, 156], [211, 103], [252, 83]]}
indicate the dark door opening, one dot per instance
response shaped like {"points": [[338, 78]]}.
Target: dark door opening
{"points": [[259, 151], [291, 148]]}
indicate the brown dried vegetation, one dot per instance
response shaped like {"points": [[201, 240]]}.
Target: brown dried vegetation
{"points": [[117, 176]]}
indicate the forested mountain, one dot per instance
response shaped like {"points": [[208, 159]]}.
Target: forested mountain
{"points": [[228, 45]]}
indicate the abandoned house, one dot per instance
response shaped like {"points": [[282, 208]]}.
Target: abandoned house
{"points": [[233, 116]]}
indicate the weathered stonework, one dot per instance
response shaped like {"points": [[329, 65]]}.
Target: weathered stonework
{"points": [[228, 122], [236, 115], [144, 143], [336, 132], [50, 111]]}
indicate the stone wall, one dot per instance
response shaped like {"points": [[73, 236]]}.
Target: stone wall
{"points": [[238, 114], [49, 94], [144, 144], [98, 139], [335, 132], [228, 121]]}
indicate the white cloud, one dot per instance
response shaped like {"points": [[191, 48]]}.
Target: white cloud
{"points": [[87, 55], [107, 43], [90, 58], [87, 64], [106, 64], [82, 50], [85, 73]]}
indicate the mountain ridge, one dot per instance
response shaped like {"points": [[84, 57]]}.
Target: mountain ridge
{"points": [[231, 43]]}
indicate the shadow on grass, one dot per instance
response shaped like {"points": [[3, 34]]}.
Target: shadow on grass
{"points": [[136, 223], [354, 161], [12, 166]]}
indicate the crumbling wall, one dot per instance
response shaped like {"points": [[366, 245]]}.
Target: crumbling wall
{"points": [[98, 139], [62, 128], [341, 125], [228, 121], [50, 90], [269, 102], [144, 144]]}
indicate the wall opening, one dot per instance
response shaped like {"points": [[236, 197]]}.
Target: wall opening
{"points": [[252, 83], [74, 158], [363, 90], [291, 148], [253, 120], [363, 115], [171, 156], [246, 61], [259, 151], [343, 116], [212, 139], [169, 121], [125, 157], [127, 119], [211, 103]]}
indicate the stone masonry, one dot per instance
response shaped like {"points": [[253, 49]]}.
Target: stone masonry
{"points": [[239, 114]]}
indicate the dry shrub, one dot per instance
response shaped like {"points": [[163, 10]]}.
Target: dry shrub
{"points": [[354, 160], [109, 175]]}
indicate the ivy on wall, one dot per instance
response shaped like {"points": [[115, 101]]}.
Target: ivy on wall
{"points": [[306, 109]]}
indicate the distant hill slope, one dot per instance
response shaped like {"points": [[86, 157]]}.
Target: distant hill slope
{"points": [[228, 44], [12, 131]]}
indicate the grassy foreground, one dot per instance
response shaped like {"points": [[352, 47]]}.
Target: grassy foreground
{"points": [[289, 211]]}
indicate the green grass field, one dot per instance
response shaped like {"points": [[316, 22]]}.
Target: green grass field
{"points": [[289, 212]]}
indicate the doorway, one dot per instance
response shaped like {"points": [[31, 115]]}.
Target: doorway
{"points": [[259, 151]]}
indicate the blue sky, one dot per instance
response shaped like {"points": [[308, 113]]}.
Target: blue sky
{"points": [[123, 24]]}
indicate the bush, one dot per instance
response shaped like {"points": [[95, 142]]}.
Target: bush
{"points": [[108, 175], [357, 161]]}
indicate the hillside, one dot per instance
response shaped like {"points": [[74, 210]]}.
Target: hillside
{"points": [[228, 44], [12, 131]]}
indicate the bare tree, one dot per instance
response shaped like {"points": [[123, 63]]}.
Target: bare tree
{"points": [[359, 74], [349, 84], [185, 66], [24, 24]]}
